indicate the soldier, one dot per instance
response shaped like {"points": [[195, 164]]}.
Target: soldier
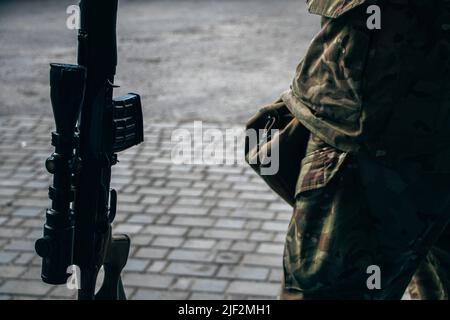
{"points": [[374, 187]]}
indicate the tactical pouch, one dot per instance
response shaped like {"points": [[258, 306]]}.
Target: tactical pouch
{"points": [[290, 140]]}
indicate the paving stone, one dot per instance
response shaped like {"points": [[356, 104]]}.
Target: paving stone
{"points": [[209, 194], [189, 201], [141, 239], [253, 288], [167, 201], [253, 214], [25, 287], [7, 257], [193, 221], [253, 225], [171, 242], [10, 271], [8, 192], [151, 200], [5, 202], [11, 182], [244, 186], [209, 285], [188, 210], [220, 212], [264, 298], [127, 228], [226, 194], [7, 232], [13, 222], [20, 245], [32, 273], [284, 216], [258, 196], [191, 269], [228, 257], [230, 204], [148, 280], [63, 292], [211, 203], [275, 226], [120, 217], [261, 236], [36, 184], [196, 233], [241, 272], [191, 192], [201, 296], [35, 202], [156, 209], [262, 260], [276, 275], [128, 189], [199, 243], [3, 242], [179, 183], [230, 223], [244, 246], [145, 294], [35, 234], [157, 266], [192, 255], [28, 297], [226, 234], [131, 208], [223, 245], [187, 176], [165, 230], [280, 206], [141, 218], [129, 198], [136, 265], [271, 248], [222, 185], [152, 253], [280, 237], [24, 258], [155, 191], [181, 284], [236, 178]]}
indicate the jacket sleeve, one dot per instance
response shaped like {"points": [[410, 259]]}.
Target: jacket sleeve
{"points": [[334, 8]]}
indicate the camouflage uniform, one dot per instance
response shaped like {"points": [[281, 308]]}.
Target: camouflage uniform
{"points": [[374, 185]]}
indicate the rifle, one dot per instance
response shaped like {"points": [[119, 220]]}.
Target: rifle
{"points": [[91, 128]]}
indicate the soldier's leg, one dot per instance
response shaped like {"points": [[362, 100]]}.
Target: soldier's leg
{"points": [[410, 224], [328, 245], [354, 214], [431, 280]]}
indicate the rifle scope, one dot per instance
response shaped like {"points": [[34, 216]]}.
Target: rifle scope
{"points": [[67, 84]]}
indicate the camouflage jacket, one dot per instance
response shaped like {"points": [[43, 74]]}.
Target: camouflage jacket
{"points": [[384, 91]]}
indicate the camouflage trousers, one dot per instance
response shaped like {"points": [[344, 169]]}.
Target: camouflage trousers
{"points": [[353, 214]]}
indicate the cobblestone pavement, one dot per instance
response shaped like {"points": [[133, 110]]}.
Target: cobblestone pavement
{"points": [[198, 232]]}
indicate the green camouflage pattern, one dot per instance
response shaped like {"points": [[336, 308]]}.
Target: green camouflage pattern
{"points": [[332, 9], [352, 212], [373, 187], [385, 92]]}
